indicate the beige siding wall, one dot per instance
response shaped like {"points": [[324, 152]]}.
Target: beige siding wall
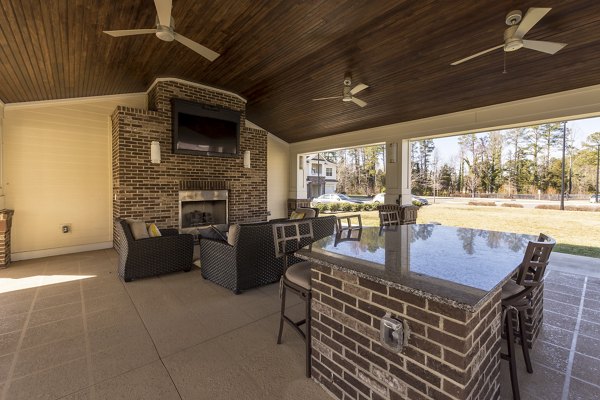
{"points": [[277, 176], [57, 169]]}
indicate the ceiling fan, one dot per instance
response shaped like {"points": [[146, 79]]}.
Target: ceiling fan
{"points": [[348, 94], [165, 30], [517, 28]]}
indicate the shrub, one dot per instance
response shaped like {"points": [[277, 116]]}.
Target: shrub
{"points": [[582, 208], [346, 206], [322, 207], [513, 205], [417, 203], [369, 206], [356, 207], [333, 207], [482, 203], [547, 207]]}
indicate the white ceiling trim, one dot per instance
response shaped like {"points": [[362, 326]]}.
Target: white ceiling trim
{"points": [[74, 100], [571, 104], [195, 84]]}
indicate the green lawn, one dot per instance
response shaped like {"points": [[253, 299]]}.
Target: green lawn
{"points": [[576, 232]]}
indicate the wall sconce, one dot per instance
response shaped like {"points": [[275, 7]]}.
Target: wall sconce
{"points": [[155, 152], [247, 159], [392, 152], [300, 162]]}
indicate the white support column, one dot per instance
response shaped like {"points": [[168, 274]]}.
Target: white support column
{"points": [[2, 205], [397, 174]]}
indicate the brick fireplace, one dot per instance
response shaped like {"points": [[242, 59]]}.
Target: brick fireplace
{"points": [[150, 192], [199, 208]]}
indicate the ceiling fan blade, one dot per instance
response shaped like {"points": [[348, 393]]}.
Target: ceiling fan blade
{"points": [[532, 17], [197, 47], [476, 55], [130, 32], [328, 98], [546, 47], [358, 88], [359, 102], [163, 10]]}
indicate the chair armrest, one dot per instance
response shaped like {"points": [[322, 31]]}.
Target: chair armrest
{"points": [[161, 243], [169, 232]]}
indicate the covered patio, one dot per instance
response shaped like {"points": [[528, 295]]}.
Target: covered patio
{"points": [[71, 329]]}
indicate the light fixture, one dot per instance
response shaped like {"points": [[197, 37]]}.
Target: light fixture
{"points": [[300, 162], [247, 159], [392, 152], [155, 152]]}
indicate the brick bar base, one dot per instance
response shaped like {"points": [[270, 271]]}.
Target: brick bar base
{"points": [[452, 353]]}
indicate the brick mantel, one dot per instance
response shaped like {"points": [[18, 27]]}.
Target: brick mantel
{"points": [[147, 191]]}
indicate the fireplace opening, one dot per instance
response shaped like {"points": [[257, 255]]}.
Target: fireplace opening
{"points": [[199, 208]]}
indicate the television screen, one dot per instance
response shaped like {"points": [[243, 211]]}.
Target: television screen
{"points": [[205, 130]]}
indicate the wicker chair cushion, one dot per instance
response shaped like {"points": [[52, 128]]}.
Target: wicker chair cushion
{"points": [[299, 274], [233, 235], [296, 215], [308, 212], [138, 230]]}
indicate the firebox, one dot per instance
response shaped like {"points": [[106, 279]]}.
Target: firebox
{"points": [[198, 208]]}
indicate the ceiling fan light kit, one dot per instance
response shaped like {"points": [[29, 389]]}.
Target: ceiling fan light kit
{"points": [[165, 31], [518, 26]]}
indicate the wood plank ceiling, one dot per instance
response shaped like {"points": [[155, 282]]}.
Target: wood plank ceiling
{"points": [[281, 54]]}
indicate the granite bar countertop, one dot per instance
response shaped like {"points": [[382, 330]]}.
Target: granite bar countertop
{"points": [[457, 266]]}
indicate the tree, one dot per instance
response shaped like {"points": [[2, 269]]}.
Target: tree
{"points": [[468, 144], [594, 140], [551, 136]]}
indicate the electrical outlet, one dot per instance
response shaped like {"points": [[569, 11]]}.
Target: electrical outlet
{"points": [[65, 228]]}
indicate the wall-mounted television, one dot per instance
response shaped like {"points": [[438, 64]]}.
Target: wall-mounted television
{"points": [[202, 129]]}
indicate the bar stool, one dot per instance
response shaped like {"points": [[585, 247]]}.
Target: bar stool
{"points": [[290, 237], [516, 301]]}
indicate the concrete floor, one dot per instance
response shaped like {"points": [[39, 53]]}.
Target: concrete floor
{"points": [[70, 329]]}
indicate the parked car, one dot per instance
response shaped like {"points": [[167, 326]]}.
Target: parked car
{"points": [[421, 200], [379, 199], [334, 198], [595, 199]]}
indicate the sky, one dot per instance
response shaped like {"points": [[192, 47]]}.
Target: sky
{"points": [[448, 147]]}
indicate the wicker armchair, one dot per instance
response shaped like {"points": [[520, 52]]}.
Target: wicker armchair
{"points": [[248, 259], [141, 258]]}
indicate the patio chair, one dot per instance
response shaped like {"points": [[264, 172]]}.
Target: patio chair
{"points": [[516, 300], [387, 218], [350, 219], [152, 256], [288, 238]]}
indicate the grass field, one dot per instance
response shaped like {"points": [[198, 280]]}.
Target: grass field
{"points": [[576, 232]]}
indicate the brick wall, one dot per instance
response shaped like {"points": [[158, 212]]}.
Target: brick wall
{"points": [[5, 227], [452, 353], [149, 191]]}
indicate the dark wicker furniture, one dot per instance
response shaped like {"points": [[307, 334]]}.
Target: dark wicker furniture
{"points": [[153, 256], [516, 300], [248, 259]]}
